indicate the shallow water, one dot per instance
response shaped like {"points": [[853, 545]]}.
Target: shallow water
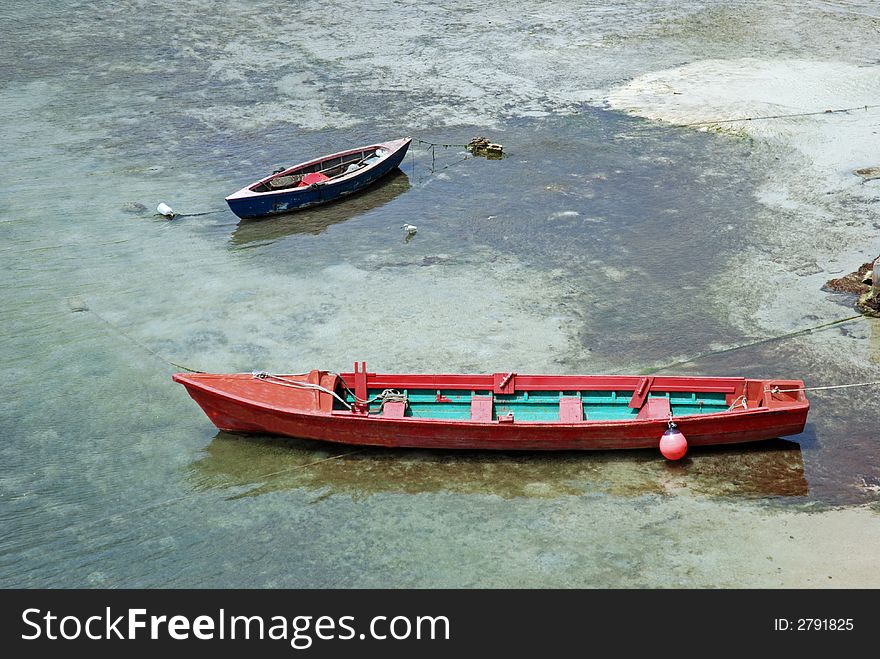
{"points": [[600, 243]]}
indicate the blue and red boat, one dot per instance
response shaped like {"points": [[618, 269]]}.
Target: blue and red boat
{"points": [[318, 181]]}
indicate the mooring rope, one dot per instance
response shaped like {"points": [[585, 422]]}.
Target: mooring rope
{"points": [[739, 400], [433, 146], [387, 395], [276, 379], [312, 464], [84, 308], [457, 162], [777, 390], [751, 344], [216, 210], [445, 146], [780, 116], [391, 396]]}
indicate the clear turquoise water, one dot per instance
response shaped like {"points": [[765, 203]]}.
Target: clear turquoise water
{"points": [[597, 244]]}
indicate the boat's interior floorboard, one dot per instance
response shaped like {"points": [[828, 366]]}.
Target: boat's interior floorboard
{"points": [[548, 406], [331, 167]]}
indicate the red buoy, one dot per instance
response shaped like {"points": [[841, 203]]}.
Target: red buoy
{"points": [[673, 444]]}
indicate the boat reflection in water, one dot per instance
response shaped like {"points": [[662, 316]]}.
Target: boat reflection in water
{"points": [[315, 221], [250, 465]]}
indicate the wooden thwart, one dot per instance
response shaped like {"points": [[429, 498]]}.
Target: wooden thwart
{"points": [[571, 409], [481, 408], [641, 392], [655, 408], [395, 409]]}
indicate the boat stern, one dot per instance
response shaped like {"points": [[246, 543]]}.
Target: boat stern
{"points": [[394, 145], [788, 401]]}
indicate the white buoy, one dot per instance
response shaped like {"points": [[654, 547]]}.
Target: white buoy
{"points": [[410, 229], [165, 209]]}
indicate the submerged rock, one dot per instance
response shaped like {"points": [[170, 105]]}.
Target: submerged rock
{"points": [[868, 173], [77, 304], [863, 283], [808, 269], [133, 207], [481, 146], [853, 283], [869, 305]]}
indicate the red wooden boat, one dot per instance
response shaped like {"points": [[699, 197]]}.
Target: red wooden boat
{"points": [[500, 411]]}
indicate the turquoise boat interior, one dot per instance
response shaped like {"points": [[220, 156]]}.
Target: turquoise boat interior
{"points": [[538, 406]]}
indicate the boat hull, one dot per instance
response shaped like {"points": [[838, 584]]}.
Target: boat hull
{"points": [[235, 413], [248, 205]]}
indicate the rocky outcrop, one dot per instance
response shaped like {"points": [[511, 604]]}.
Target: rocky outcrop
{"points": [[864, 282]]}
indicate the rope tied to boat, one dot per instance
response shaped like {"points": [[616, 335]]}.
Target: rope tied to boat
{"points": [[777, 390], [445, 146], [783, 116], [386, 396], [739, 400], [751, 344], [389, 396], [295, 384]]}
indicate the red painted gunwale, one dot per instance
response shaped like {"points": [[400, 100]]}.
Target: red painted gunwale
{"points": [[242, 403]]}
